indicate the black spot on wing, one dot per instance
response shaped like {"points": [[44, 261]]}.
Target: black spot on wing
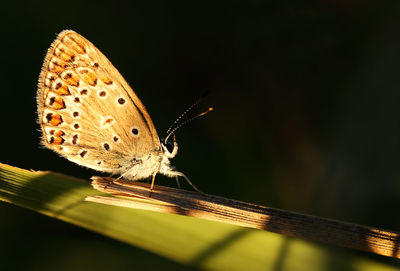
{"points": [[142, 116]]}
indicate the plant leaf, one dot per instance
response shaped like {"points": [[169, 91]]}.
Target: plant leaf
{"points": [[191, 241]]}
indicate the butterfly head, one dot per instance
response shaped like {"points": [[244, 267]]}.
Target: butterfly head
{"points": [[170, 147]]}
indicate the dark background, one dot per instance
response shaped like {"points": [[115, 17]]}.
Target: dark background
{"points": [[306, 118]]}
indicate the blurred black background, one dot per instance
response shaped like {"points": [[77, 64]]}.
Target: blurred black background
{"points": [[306, 118]]}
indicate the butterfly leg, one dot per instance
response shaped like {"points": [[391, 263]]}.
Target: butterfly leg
{"points": [[152, 182], [177, 174], [178, 184], [117, 179], [113, 180]]}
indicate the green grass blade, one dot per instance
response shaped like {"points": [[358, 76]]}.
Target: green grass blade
{"points": [[194, 242]]}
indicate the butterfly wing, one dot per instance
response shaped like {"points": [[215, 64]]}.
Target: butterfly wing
{"points": [[87, 111]]}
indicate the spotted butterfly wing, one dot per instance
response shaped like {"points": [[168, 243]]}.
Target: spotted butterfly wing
{"points": [[87, 111]]}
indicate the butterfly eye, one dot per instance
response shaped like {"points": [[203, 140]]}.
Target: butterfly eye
{"points": [[170, 146]]}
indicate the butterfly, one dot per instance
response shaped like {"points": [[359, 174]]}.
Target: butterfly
{"points": [[90, 115]]}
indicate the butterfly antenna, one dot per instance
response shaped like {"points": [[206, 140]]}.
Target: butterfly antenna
{"points": [[199, 100], [187, 121]]}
